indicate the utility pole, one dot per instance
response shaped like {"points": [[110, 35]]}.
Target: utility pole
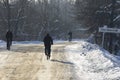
{"points": [[112, 14]]}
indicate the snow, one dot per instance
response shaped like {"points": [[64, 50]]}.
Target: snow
{"points": [[36, 42], [2, 43], [118, 2], [117, 18], [92, 62], [27, 42]]}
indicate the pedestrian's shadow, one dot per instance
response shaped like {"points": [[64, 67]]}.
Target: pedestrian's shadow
{"points": [[64, 62]]}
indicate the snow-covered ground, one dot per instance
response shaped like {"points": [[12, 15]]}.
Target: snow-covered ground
{"points": [[92, 62], [27, 61], [3, 43]]}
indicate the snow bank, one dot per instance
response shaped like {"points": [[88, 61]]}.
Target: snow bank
{"points": [[36, 42], [27, 42], [2, 43], [93, 63]]}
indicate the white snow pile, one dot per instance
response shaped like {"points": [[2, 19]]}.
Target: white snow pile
{"points": [[36, 42], [26, 42], [93, 63], [2, 43], [118, 2]]}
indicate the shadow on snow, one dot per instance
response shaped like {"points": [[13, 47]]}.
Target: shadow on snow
{"points": [[64, 62]]}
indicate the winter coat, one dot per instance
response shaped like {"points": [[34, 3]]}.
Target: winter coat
{"points": [[48, 41], [9, 35], [70, 33]]}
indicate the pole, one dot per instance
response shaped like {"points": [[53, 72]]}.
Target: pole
{"points": [[112, 25], [103, 38]]}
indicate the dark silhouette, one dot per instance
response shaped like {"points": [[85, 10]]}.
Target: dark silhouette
{"points": [[48, 41], [9, 37], [70, 36], [60, 61]]}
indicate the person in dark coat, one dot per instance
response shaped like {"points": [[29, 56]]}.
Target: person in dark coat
{"points": [[70, 36], [9, 37], [48, 41]]}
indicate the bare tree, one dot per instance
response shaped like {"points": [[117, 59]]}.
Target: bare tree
{"points": [[31, 20], [7, 6]]}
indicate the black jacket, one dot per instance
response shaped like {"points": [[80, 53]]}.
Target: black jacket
{"points": [[48, 41], [9, 35]]}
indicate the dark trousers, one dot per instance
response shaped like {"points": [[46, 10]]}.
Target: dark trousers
{"points": [[70, 38], [48, 50], [9, 43]]}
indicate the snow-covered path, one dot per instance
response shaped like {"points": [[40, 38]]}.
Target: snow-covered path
{"points": [[70, 61], [92, 63], [28, 62]]}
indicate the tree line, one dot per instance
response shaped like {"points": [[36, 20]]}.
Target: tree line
{"points": [[31, 19], [97, 13]]}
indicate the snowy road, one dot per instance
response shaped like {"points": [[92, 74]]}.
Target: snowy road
{"points": [[70, 61], [28, 62]]}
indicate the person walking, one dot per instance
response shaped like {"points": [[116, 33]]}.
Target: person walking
{"points": [[9, 37], [70, 36], [48, 41]]}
